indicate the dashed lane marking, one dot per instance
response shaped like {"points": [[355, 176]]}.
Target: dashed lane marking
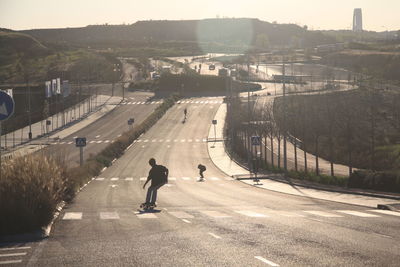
{"points": [[143, 178], [186, 221], [270, 263], [215, 214], [72, 216], [109, 216], [387, 212], [214, 235], [186, 178], [181, 214], [250, 213], [323, 214], [10, 262], [114, 179], [14, 248], [13, 254], [100, 179], [129, 179], [357, 213], [145, 215]]}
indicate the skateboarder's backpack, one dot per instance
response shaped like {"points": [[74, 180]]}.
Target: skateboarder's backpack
{"points": [[163, 174]]}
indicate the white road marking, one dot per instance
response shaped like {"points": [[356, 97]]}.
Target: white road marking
{"points": [[172, 178], [113, 185], [107, 141], [143, 146], [161, 140], [168, 146], [215, 214], [10, 262], [197, 140], [214, 235], [181, 214], [186, 221], [109, 216], [145, 141], [167, 140], [75, 137], [143, 178], [387, 212], [14, 248], [91, 142], [99, 142], [183, 140], [145, 215], [204, 140], [129, 179], [119, 135], [72, 216], [270, 263], [175, 140], [323, 214], [250, 213], [186, 178], [97, 136], [154, 140], [357, 213], [190, 140], [215, 179], [69, 143], [100, 179]]}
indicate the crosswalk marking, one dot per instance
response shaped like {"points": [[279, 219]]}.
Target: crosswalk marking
{"points": [[323, 214], [107, 141], [250, 213], [357, 213], [100, 179], [171, 178], [270, 263], [186, 178], [72, 216], [215, 214], [214, 179], [129, 179], [114, 179], [109, 215], [141, 215], [143, 178], [13, 254], [387, 212], [181, 214]]}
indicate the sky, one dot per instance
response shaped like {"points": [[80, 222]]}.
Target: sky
{"points": [[378, 15]]}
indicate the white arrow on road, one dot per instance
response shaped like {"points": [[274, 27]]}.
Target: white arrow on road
{"points": [[3, 109]]}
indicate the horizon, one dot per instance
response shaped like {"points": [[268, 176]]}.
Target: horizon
{"points": [[46, 14]]}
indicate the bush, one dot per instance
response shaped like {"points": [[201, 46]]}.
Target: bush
{"points": [[385, 181], [30, 189]]}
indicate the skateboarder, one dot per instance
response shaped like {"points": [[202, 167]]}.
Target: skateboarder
{"points": [[202, 169], [158, 175], [185, 112]]}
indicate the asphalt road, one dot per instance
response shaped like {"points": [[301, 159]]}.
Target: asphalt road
{"points": [[219, 222], [108, 128]]}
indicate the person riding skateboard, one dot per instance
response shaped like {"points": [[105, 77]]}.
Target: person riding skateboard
{"points": [[158, 175], [202, 169]]}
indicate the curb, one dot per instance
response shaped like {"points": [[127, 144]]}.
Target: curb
{"points": [[316, 187]]}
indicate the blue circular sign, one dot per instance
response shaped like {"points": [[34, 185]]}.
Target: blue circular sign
{"points": [[6, 106]]}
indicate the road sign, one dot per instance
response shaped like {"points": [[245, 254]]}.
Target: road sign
{"points": [[80, 142], [214, 122], [255, 140], [6, 106]]}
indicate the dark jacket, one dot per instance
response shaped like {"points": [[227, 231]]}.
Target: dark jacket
{"points": [[158, 174]]}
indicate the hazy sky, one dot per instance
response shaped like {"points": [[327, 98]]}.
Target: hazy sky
{"points": [[378, 15]]}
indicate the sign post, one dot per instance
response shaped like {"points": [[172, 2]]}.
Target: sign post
{"points": [[255, 141], [214, 122], [6, 110], [80, 142]]}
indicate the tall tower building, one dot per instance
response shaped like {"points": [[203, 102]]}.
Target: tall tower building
{"points": [[357, 20]]}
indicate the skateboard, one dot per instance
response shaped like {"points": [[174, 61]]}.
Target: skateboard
{"points": [[146, 206], [201, 180]]}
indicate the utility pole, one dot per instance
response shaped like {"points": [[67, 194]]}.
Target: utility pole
{"points": [[284, 117]]}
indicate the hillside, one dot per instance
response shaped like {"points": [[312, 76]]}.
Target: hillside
{"points": [[226, 31]]}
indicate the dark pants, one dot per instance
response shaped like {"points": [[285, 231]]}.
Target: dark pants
{"points": [[152, 193], [201, 174]]}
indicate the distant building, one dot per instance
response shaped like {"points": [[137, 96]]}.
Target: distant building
{"points": [[357, 20]]}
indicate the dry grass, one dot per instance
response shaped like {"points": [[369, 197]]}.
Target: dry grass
{"points": [[30, 189]]}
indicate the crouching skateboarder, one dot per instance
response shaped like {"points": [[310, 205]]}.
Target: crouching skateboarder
{"points": [[158, 175]]}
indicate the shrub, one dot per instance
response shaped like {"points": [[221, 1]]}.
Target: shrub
{"points": [[30, 189]]}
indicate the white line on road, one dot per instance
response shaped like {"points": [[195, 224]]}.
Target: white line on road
{"points": [[186, 178], [250, 213], [97, 136], [357, 213], [186, 221], [214, 235], [323, 214], [109, 216], [387, 212], [14, 248], [13, 254], [181, 214], [270, 263], [10, 262], [215, 214], [114, 179], [129, 179], [72, 216], [143, 178]]}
